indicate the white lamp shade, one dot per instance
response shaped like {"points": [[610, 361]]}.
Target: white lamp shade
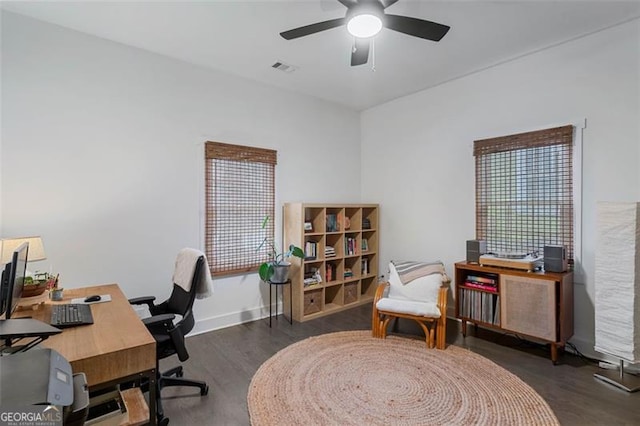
{"points": [[617, 281], [8, 245]]}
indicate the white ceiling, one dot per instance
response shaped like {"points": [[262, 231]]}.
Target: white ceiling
{"points": [[242, 38]]}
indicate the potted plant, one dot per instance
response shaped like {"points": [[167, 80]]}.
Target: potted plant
{"points": [[277, 269], [36, 285]]}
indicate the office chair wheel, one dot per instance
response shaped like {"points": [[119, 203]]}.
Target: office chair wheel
{"points": [[163, 421], [204, 390], [179, 373]]}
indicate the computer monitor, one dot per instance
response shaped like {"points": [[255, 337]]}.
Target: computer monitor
{"points": [[4, 286], [15, 282]]}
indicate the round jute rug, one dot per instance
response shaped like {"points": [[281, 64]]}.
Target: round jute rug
{"points": [[350, 378]]}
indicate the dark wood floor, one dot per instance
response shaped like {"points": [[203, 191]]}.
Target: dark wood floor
{"points": [[227, 359]]}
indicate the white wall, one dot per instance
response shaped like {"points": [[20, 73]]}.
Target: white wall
{"points": [[417, 151], [102, 157]]}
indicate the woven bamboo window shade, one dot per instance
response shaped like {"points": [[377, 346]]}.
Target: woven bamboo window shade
{"points": [[240, 193], [524, 191]]}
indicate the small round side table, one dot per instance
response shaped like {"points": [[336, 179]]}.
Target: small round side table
{"points": [[280, 285]]}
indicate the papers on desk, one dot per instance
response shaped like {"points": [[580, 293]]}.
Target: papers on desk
{"points": [[103, 298], [142, 311]]}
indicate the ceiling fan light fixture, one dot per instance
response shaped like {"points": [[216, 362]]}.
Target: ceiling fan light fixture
{"points": [[364, 25]]}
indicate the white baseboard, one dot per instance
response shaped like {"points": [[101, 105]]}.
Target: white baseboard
{"points": [[240, 317]]}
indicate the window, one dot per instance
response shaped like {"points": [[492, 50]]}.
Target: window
{"points": [[524, 191], [240, 193]]}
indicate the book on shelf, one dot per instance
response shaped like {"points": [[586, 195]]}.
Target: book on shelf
{"points": [[332, 223], [365, 266], [482, 279], [482, 286], [366, 223], [310, 250], [308, 282], [350, 246], [329, 251], [482, 282], [330, 272], [348, 273], [364, 245]]}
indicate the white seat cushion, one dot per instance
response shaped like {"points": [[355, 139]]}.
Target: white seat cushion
{"points": [[423, 289], [425, 309]]}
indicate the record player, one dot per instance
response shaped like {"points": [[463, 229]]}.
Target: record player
{"points": [[524, 261]]}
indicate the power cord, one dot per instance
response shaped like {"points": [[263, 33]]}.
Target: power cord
{"points": [[575, 352]]}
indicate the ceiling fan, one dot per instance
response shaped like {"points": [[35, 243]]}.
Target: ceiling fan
{"points": [[364, 19]]}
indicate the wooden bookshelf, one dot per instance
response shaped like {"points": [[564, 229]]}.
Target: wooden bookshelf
{"points": [[534, 305], [342, 244]]}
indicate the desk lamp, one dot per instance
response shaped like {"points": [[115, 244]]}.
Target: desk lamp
{"points": [[8, 245]]}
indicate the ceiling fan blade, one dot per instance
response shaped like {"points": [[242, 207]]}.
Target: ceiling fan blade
{"points": [[360, 54], [349, 3], [312, 29], [416, 27], [387, 3]]}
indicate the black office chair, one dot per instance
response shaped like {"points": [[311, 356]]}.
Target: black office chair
{"points": [[169, 336]]}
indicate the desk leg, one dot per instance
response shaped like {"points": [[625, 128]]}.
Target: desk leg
{"points": [[153, 418]]}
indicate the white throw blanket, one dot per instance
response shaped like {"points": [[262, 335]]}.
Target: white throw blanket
{"points": [[185, 267], [409, 271]]}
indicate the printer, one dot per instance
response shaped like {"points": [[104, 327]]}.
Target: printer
{"points": [[42, 376]]}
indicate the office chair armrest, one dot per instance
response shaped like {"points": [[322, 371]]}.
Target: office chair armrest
{"points": [[160, 319], [144, 300], [159, 325]]}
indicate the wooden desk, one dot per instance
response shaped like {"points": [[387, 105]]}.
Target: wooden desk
{"points": [[116, 348]]}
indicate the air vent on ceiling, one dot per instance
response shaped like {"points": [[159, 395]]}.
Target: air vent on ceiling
{"points": [[284, 67]]}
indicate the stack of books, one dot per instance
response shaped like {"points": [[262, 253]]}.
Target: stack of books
{"points": [[308, 282], [329, 251], [486, 283], [312, 277]]}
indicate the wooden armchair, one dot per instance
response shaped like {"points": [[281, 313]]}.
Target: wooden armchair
{"points": [[425, 303]]}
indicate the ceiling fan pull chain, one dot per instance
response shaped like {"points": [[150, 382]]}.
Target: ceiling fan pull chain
{"points": [[373, 54]]}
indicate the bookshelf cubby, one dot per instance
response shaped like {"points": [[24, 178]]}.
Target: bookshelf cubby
{"points": [[534, 305], [344, 238]]}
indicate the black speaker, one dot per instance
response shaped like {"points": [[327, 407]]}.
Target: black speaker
{"points": [[555, 259], [475, 249]]}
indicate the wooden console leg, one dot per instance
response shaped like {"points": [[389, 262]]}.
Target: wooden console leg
{"points": [[464, 328], [554, 353]]}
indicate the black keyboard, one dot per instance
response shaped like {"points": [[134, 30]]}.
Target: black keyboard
{"points": [[70, 315]]}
